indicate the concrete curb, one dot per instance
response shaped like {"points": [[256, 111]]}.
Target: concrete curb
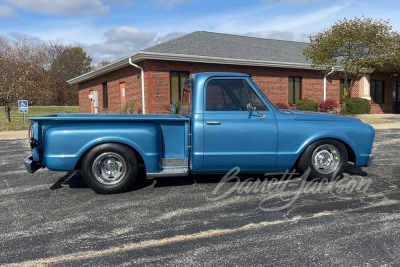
{"points": [[14, 135], [386, 126]]}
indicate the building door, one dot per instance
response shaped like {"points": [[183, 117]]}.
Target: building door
{"points": [[396, 97]]}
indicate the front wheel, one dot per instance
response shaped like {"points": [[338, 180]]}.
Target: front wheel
{"points": [[324, 159], [109, 168]]}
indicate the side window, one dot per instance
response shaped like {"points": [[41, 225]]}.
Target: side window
{"points": [[255, 100], [226, 95]]}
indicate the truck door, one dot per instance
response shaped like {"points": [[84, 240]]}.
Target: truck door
{"points": [[233, 135]]}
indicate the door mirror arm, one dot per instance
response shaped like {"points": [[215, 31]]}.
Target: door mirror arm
{"points": [[250, 109]]}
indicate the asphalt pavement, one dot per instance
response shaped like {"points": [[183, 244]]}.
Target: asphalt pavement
{"points": [[52, 218]]}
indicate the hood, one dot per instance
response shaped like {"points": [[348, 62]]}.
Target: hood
{"points": [[320, 116]]}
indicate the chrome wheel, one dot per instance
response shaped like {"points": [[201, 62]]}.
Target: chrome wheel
{"points": [[326, 159], [109, 168]]}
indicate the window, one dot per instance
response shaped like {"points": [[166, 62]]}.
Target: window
{"points": [[177, 80], [294, 89], [231, 95], [186, 106], [105, 95], [377, 92], [341, 89], [255, 100]]}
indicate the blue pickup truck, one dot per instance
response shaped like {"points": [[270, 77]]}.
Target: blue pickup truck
{"points": [[225, 121]]}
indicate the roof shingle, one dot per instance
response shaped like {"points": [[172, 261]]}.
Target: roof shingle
{"points": [[210, 44]]}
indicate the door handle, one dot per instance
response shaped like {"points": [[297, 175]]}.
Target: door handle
{"points": [[213, 122]]}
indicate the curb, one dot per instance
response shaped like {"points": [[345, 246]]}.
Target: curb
{"points": [[14, 135]]}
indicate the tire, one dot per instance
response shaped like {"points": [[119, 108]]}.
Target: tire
{"points": [[326, 159], [109, 168]]}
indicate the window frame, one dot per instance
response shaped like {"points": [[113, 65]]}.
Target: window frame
{"points": [[294, 88], [180, 80], [105, 95], [246, 85], [186, 108], [375, 92]]}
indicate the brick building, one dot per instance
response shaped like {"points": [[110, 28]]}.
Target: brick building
{"points": [[277, 67]]}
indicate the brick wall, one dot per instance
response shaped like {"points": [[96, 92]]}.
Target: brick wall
{"points": [[272, 81], [129, 75]]}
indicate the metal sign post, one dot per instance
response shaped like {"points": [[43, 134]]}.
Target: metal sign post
{"points": [[23, 108]]}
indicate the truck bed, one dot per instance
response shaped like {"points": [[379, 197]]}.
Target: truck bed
{"points": [[65, 138]]}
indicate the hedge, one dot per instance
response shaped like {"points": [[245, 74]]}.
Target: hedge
{"points": [[358, 106], [307, 105]]}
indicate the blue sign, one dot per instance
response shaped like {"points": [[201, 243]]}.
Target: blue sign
{"points": [[173, 109], [23, 106]]}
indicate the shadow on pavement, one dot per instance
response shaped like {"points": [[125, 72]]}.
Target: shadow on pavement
{"points": [[72, 179]]}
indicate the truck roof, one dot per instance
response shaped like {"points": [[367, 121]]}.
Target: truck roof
{"points": [[206, 75]]}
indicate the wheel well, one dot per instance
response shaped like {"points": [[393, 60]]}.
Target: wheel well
{"points": [[350, 153], [139, 158]]}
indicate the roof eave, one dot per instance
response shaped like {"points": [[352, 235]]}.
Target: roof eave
{"points": [[218, 60], [118, 64], [143, 55]]}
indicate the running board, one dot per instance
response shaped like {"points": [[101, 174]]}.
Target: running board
{"points": [[172, 167]]}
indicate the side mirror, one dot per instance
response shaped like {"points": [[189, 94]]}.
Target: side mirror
{"points": [[250, 109]]}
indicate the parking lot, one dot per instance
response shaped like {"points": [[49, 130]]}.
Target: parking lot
{"points": [[52, 218]]}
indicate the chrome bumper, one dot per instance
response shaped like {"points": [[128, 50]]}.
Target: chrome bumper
{"points": [[370, 158], [32, 166]]}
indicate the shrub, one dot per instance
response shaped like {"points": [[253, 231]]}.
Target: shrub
{"points": [[282, 106], [128, 106], [358, 106], [307, 105], [178, 108], [328, 105]]}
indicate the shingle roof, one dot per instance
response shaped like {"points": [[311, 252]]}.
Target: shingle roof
{"points": [[210, 44], [217, 48]]}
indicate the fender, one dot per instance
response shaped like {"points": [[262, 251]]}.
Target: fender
{"points": [[58, 155], [296, 136]]}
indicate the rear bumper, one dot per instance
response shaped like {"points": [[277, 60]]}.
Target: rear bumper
{"points": [[31, 165], [370, 158]]}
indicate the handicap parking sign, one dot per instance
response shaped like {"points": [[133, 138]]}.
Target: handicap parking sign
{"points": [[23, 106]]}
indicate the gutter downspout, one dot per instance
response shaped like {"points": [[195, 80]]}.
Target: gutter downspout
{"points": [[333, 69], [142, 75]]}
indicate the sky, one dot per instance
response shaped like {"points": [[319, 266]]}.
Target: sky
{"points": [[111, 29]]}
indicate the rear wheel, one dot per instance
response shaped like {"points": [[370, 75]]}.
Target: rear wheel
{"points": [[326, 159], [109, 168]]}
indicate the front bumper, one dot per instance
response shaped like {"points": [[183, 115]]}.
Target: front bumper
{"points": [[370, 158], [31, 165]]}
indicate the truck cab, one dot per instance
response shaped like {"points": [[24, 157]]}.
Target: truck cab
{"points": [[233, 124]]}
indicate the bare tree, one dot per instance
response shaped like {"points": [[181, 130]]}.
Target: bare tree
{"points": [[67, 62], [22, 72]]}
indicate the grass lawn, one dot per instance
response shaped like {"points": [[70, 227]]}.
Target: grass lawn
{"points": [[16, 117]]}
